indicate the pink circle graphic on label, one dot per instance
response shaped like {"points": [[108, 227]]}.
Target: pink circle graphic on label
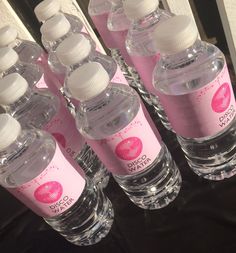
{"points": [[49, 192], [60, 139], [221, 99], [129, 149]]}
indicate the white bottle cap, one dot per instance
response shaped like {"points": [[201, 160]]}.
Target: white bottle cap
{"points": [[73, 49], [8, 58], [136, 9], [10, 129], [175, 34], [88, 81], [55, 27], [46, 9], [12, 87], [8, 34]]}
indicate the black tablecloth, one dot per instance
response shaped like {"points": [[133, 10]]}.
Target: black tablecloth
{"points": [[202, 219]]}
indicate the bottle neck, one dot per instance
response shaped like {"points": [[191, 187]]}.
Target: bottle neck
{"points": [[182, 58], [15, 147], [20, 103], [147, 20], [54, 44], [11, 69], [16, 43], [96, 102], [86, 59]]}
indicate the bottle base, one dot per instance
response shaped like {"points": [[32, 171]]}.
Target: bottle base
{"points": [[88, 221], [217, 172], [95, 233], [156, 187]]}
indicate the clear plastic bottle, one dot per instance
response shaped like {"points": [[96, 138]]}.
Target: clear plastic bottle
{"points": [[28, 51], [54, 31], [42, 110], [118, 25], [35, 171], [112, 119], [10, 63], [195, 90], [77, 50], [98, 11], [145, 16], [49, 8]]}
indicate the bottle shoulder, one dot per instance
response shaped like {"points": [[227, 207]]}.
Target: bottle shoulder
{"points": [[189, 71], [110, 113], [26, 158], [38, 110], [139, 40]]}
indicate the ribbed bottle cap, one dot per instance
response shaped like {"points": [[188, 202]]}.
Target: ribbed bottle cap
{"points": [[175, 34], [46, 9], [10, 129], [12, 87], [8, 58], [73, 49], [55, 27], [135, 9], [7, 35], [88, 81]]}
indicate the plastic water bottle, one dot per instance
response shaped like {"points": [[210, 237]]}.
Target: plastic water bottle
{"points": [[112, 120], [49, 8], [196, 92], [42, 110], [77, 50], [98, 11], [10, 63], [145, 16], [35, 171], [54, 31], [28, 51], [119, 24]]}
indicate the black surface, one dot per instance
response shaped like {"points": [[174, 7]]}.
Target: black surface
{"points": [[201, 219]]}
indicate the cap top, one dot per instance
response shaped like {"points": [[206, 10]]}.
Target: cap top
{"points": [[8, 58], [10, 129], [73, 49], [175, 34], [55, 27], [88, 81], [8, 34], [12, 87], [136, 9], [46, 9]]}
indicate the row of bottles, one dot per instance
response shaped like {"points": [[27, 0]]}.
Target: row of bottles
{"points": [[92, 119], [188, 76]]}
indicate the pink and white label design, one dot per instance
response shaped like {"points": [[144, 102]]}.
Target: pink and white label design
{"points": [[145, 66], [120, 37], [119, 77], [131, 150], [63, 128], [203, 112], [100, 22], [54, 190]]}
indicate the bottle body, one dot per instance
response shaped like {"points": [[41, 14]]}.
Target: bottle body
{"points": [[43, 110], [118, 24], [141, 47], [199, 75], [122, 138], [33, 171]]}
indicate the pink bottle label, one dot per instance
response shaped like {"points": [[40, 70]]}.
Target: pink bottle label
{"points": [[203, 112], [131, 150], [119, 77], [54, 190], [145, 66], [120, 37], [63, 128], [100, 21]]}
